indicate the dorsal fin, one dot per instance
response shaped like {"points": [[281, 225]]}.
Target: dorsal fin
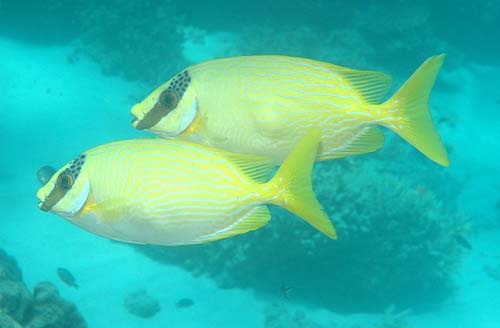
{"points": [[373, 86], [257, 168]]}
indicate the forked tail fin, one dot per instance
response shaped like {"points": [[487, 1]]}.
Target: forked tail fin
{"points": [[294, 179], [410, 107]]}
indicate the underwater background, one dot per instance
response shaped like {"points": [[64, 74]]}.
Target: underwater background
{"points": [[418, 243]]}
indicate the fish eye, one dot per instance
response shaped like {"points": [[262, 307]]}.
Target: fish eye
{"points": [[65, 181], [169, 98]]}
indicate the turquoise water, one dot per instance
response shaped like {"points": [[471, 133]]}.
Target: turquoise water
{"points": [[417, 242]]}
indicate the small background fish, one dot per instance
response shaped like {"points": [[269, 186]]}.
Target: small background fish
{"points": [[67, 277], [44, 174], [184, 303]]}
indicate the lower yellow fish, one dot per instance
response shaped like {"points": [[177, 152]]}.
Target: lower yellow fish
{"points": [[262, 105], [171, 192]]}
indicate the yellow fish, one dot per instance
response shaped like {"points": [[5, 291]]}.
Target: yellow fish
{"points": [[261, 105], [172, 192]]}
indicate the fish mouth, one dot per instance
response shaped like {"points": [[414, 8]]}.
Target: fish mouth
{"points": [[138, 117], [43, 206], [42, 202], [140, 124], [134, 122]]}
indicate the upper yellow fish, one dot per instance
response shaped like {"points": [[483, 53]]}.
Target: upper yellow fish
{"points": [[262, 105], [172, 192]]}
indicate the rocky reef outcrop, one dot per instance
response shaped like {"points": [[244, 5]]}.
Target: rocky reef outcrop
{"points": [[43, 308], [141, 304]]}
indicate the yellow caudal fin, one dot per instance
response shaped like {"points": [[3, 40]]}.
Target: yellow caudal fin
{"points": [[294, 177], [410, 107]]}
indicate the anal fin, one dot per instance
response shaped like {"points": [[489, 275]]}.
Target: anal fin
{"points": [[256, 218], [368, 140]]}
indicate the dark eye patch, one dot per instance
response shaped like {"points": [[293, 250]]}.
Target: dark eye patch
{"points": [[64, 182], [167, 101], [180, 83]]}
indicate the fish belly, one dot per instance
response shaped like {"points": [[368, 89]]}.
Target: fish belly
{"points": [[178, 224]]}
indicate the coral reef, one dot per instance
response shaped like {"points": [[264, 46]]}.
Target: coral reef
{"points": [[341, 45], [139, 39], [44, 309], [149, 46], [143, 39], [15, 299], [396, 238], [50, 310], [141, 304]]}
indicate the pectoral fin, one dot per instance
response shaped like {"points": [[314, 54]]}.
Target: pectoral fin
{"points": [[108, 210]]}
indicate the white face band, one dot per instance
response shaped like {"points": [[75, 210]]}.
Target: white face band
{"points": [[188, 118]]}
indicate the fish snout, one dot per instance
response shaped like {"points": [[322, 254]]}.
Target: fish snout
{"points": [[134, 122], [42, 203], [137, 114], [43, 206]]}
